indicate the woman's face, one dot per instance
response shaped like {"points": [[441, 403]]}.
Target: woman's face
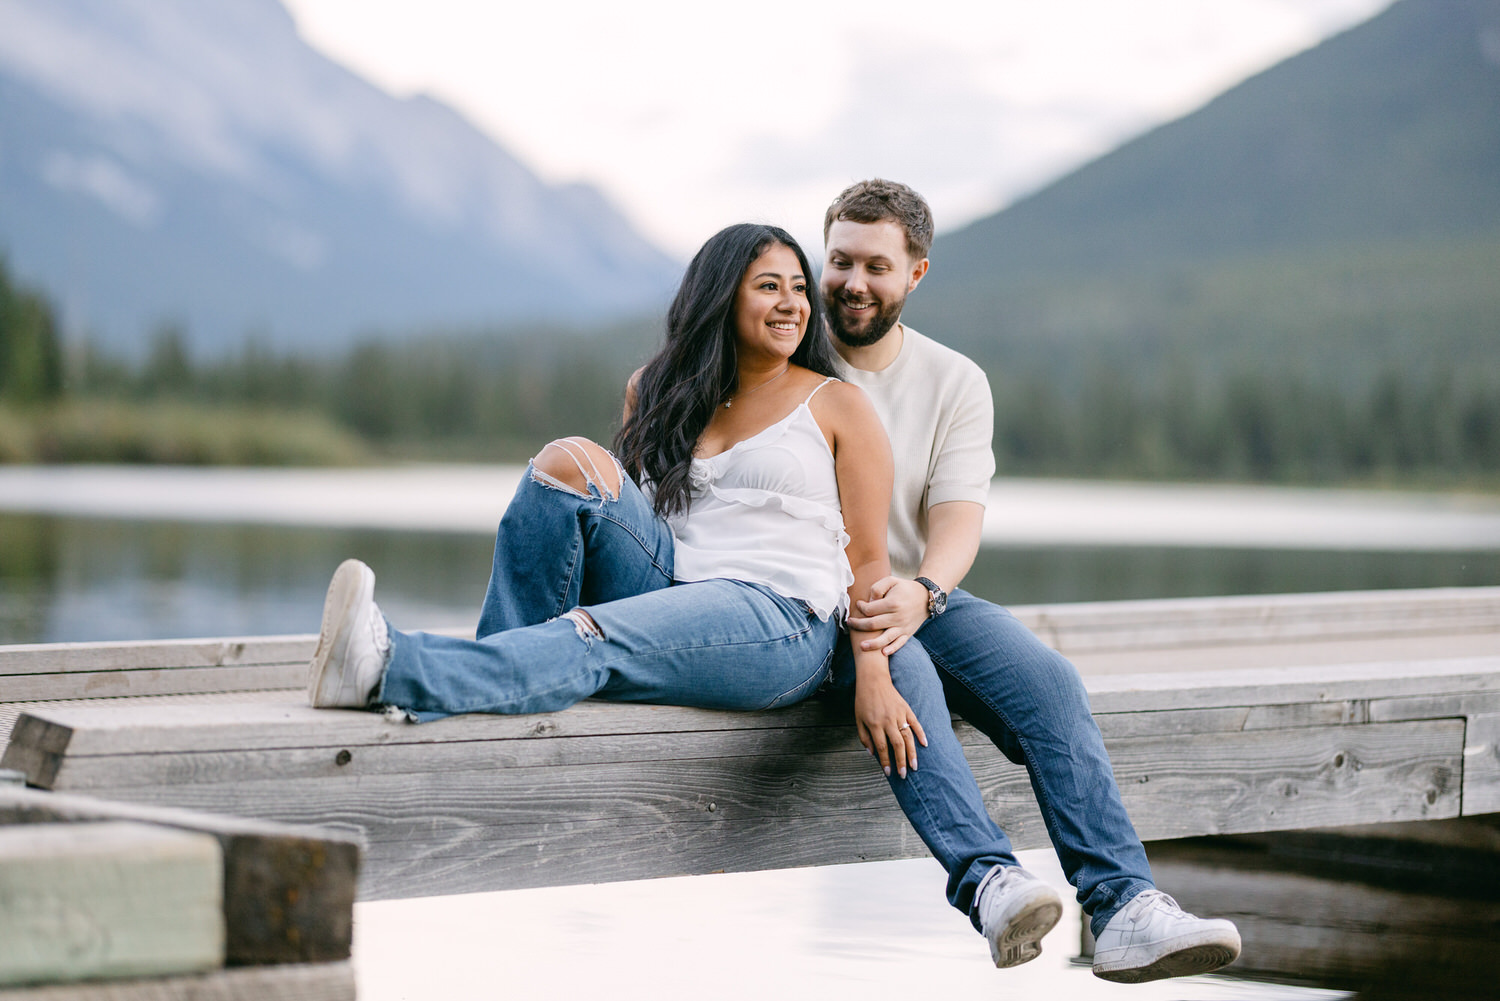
{"points": [[772, 308]]}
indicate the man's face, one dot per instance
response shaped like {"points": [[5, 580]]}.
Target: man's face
{"points": [[867, 275]]}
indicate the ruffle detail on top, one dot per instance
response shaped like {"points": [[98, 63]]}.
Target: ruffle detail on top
{"points": [[766, 510]]}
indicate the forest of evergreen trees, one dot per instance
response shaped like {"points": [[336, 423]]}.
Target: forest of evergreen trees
{"points": [[498, 396]]}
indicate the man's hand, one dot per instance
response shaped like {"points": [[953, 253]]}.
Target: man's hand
{"points": [[887, 726], [896, 609]]}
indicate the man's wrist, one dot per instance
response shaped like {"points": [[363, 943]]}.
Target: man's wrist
{"points": [[937, 598]]}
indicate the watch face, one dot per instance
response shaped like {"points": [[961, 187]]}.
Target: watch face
{"points": [[939, 603]]}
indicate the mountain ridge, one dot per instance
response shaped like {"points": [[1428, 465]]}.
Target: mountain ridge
{"points": [[1263, 164], [211, 169]]}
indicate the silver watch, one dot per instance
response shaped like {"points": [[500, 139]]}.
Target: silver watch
{"points": [[937, 598]]}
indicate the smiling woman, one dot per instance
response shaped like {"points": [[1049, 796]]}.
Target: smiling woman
{"points": [[711, 566]]}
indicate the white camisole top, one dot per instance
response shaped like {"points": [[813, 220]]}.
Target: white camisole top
{"points": [[767, 511]]}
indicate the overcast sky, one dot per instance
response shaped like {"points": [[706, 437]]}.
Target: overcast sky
{"points": [[691, 115]]}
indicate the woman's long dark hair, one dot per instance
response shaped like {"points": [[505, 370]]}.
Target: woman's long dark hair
{"points": [[696, 369]]}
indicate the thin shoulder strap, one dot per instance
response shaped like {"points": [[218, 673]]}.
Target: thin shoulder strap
{"points": [[818, 387]]}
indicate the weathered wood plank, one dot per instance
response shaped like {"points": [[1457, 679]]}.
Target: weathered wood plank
{"points": [[1287, 685], [1336, 691], [597, 796], [1281, 779], [239, 651], [1482, 764], [1260, 619], [94, 901], [1455, 705], [152, 681], [288, 891], [293, 982]]}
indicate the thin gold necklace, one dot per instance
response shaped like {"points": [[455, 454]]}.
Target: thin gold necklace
{"points": [[757, 389]]}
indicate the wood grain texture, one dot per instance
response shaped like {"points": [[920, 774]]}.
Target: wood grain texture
{"points": [[480, 816], [301, 982], [1284, 779], [1262, 619], [151, 681], [288, 891], [118, 899], [1482, 765]]}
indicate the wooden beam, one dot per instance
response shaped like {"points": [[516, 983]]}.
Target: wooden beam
{"points": [[95, 901], [288, 891], [298, 982]]}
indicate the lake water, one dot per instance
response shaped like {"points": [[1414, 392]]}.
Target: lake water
{"points": [[103, 554]]}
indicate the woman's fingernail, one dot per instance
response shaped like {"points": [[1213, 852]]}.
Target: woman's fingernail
{"points": [[887, 771], [901, 772]]}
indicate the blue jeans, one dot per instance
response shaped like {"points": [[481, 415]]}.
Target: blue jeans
{"points": [[1029, 700], [718, 644], [940, 796]]}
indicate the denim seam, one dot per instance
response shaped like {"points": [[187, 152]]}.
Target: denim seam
{"points": [[573, 564], [629, 529], [816, 676]]}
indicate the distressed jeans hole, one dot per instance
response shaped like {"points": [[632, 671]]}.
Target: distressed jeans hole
{"points": [[583, 624]]}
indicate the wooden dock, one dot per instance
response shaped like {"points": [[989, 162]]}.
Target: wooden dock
{"points": [[1222, 715]]}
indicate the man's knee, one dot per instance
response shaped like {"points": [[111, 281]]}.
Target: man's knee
{"points": [[576, 464], [914, 675]]}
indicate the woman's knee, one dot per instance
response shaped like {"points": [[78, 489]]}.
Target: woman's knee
{"points": [[577, 463]]}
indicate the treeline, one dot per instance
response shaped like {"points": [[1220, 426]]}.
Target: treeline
{"points": [[498, 396], [31, 360], [1261, 425], [494, 396]]}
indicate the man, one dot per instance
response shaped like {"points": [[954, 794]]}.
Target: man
{"points": [[1028, 699]]}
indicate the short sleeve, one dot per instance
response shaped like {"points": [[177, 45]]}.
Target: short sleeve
{"points": [[963, 462]]}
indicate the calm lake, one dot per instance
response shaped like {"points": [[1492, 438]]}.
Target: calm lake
{"points": [[111, 554]]}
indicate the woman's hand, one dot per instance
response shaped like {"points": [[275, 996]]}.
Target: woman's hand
{"points": [[895, 610], [887, 726]]}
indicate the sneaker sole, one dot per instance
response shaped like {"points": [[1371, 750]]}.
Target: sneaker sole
{"points": [[1185, 961], [1021, 942], [353, 583]]}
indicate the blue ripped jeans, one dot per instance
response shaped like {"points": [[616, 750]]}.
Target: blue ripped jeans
{"points": [[718, 644]]}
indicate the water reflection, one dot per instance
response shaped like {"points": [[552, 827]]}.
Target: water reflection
{"points": [[64, 579]]}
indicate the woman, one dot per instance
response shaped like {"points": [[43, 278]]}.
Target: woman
{"points": [[723, 585]]}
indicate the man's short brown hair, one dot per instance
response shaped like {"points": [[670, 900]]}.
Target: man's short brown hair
{"points": [[876, 200]]}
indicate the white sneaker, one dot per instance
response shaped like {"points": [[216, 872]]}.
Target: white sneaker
{"points": [[1151, 938], [1016, 910], [353, 644]]}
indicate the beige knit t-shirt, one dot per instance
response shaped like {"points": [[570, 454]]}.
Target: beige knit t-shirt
{"points": [[936, 406]]}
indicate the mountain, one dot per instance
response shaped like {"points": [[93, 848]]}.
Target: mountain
{"points": [[200, 164], [1337, 212]]}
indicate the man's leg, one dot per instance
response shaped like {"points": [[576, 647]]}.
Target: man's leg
{"points": [[1030, 701], [944, 805]]}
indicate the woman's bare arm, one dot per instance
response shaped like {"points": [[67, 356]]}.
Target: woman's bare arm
{"points": [[862, 462]]}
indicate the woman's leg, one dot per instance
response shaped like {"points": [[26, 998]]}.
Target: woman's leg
{"points": [[577, 532], [717, 644]]}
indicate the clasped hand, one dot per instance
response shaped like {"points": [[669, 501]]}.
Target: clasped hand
{"points": [[895, 610]]}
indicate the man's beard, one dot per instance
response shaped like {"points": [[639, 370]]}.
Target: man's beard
{"points": [[880, 323]]}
